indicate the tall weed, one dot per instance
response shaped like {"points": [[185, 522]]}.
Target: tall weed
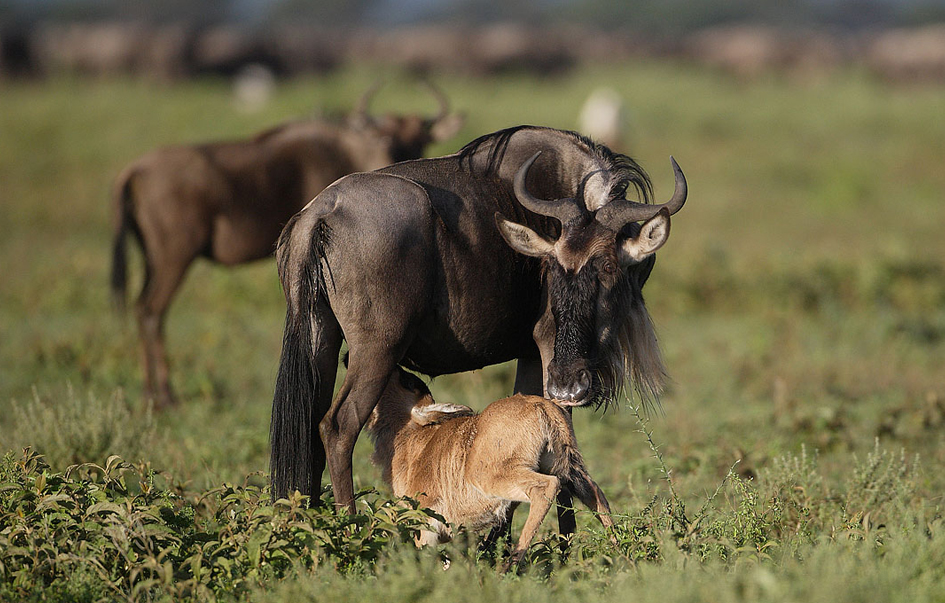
{"points": [[70, 429]]}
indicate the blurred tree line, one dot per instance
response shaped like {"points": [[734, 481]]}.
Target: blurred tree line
{"points": [[655, 16]]}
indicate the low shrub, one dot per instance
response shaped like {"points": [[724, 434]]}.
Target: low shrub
{"points": [[118, 532]]}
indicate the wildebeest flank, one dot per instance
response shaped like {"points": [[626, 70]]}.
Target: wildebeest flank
{"points": [[228, 201], [470, 468], [407, 265]]}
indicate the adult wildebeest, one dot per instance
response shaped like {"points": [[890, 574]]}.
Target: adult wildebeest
{"points": [[228, 201], [474, 468], [416, 264]]}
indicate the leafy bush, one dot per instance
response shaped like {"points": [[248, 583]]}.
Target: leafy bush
{"points": [[105, 532], [123, 531]]}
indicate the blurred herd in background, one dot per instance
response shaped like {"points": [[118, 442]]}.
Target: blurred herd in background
{"points": [[902, 40]]}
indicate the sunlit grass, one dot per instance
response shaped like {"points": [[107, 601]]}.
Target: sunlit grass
{"points": [[800, 304]]}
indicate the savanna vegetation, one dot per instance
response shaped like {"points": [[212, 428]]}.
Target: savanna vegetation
{"points": [[799, 453]]}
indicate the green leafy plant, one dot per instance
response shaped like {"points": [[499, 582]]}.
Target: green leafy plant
{"points": [[126, 535]]}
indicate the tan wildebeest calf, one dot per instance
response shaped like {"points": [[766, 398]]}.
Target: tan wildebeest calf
{"points": [[470, 468]]}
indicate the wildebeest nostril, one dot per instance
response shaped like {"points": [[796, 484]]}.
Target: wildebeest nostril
{"points": [[574, 391], [572, 384], [583, 381], [556, 392], [581, 385]]}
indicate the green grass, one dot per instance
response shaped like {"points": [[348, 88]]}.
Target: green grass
{"points": [[800, 304]]}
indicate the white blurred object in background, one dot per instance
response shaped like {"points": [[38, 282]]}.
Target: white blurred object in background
{"points": [[603, 118], [253, 87]]}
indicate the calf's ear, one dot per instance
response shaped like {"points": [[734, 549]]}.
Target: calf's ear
{"points": [[523, 239], [431, 414]]}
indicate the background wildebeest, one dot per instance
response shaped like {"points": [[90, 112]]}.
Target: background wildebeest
{"points": [[408, 266], [473, 468], [228, 201]]}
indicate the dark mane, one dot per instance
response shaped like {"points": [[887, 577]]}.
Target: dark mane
{"points": [[626, 172], [500, 141]]}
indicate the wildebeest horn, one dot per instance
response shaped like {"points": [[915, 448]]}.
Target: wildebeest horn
{"points": [[563, 209], [620, 212], [361, 109], [441, 99]]}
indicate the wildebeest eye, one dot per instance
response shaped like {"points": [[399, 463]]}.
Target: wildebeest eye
{"points": [[607, 267]]}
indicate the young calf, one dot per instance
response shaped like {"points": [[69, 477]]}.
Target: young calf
{"points": [[471, 467]]}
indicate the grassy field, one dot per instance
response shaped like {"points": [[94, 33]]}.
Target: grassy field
{"points": [[800, 304]]}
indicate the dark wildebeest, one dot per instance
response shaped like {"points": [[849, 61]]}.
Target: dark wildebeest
{"points": [[417, 265], [473, 468], [228, 201]]}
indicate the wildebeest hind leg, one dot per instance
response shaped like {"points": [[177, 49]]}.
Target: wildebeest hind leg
{"points": [[161, 282], [326, 366], [367, 376], [524, 485]]}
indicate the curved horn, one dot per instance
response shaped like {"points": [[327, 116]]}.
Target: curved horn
{"points": [[620, 212], [361, 109], [563, 210], [441, 99]]}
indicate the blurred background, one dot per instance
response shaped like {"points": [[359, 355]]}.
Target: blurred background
{"points": [[897, 39]]}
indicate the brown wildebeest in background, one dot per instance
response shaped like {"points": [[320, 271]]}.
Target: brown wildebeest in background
{"points": [[420, 264], [228, 201], [474, 468]]}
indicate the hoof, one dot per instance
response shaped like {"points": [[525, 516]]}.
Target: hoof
{"points": [[162, 400]]}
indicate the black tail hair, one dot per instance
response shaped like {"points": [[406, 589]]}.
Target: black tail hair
{"points": [[124, 222], [295, 449]]}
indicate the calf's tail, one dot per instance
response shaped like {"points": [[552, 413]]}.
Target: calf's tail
{"points": [[569, 463], [124, 221]]}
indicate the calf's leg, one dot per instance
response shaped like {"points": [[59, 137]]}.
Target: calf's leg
{"points": [[525, 485], [503, 530]]}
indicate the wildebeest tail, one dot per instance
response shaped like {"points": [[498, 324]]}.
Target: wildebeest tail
{"points": [[294, 448], [569, 464], [124, 221]]}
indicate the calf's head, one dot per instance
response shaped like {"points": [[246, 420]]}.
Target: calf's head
{"points": [[595, 326], [407, 401]]}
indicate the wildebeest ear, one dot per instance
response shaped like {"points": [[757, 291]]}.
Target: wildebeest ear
{"points": [[653, 234], [431, 414], [523, 239], [448, 127]]}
